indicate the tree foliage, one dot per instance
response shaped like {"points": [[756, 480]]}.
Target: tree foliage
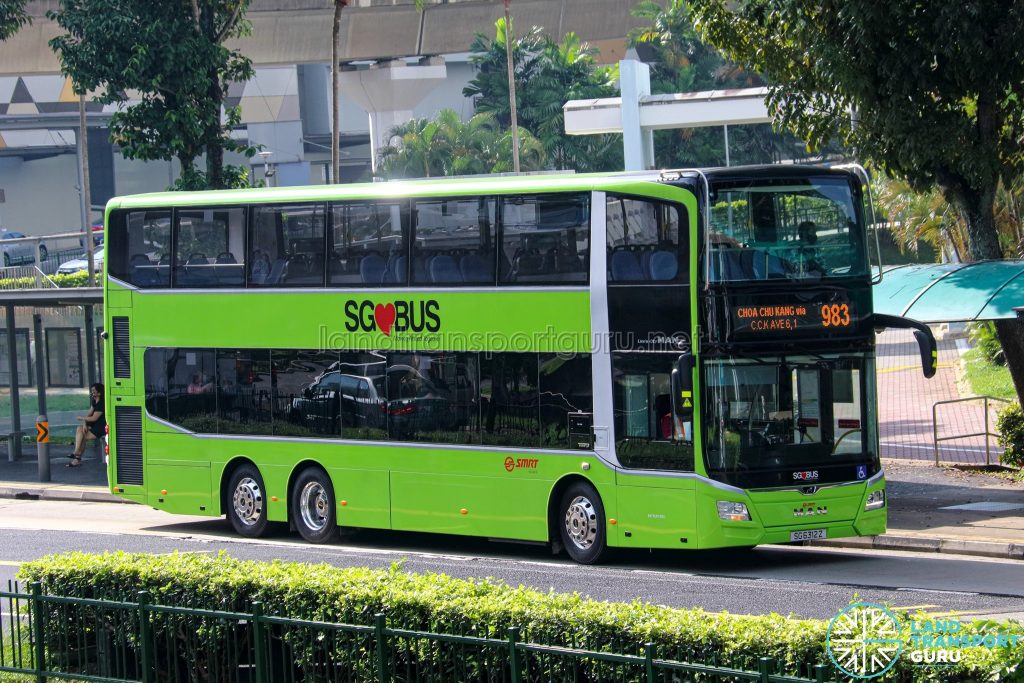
{"points": [[446, 145], [12, 17], [171, 56], [548, 73], [932, 92]]}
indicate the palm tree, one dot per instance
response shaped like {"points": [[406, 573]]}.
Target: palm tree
{"points": [[449, 146]]}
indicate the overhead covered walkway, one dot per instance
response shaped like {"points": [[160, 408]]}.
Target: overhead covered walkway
{"points": [[952, 292]]}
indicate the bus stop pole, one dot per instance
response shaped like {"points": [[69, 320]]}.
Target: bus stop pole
{"points": [[42, 442], [90, 345], [14, 438]]}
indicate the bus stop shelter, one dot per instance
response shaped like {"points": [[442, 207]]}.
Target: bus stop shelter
{"points": [[39, 300], [952, 292]]}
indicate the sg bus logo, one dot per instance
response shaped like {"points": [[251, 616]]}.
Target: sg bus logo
{"points": [[398, 316]]}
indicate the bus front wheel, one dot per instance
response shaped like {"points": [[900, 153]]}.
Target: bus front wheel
{"points": [[313, 507], [582, 524], [247, 508]]}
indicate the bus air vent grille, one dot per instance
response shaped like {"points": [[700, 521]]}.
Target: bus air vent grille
{"points": [[122, 348], [128, 425]]}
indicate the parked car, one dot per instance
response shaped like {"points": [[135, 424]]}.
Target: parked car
{"points": [[414, 403], [19, 252], [81, 262]]}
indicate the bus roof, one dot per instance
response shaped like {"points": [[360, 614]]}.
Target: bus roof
{"points": [[463, 185]]}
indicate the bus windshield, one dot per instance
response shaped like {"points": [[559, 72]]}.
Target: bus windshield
{"points": [[791, 228], [786, 413]]}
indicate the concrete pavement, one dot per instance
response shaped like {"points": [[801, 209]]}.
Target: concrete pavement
{"points": [[931, 509]]}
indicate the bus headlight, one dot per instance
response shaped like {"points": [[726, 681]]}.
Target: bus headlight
{"points": [[876, 499], [733, 512]]}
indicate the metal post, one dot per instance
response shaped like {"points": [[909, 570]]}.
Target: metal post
{"points": [[90, 345], [649, 662], [38, 631], [988, 455], [14, 439], [145, 638], [935, 431], [379, 624], [726, 129], [515, 674], [259, 642], [764, 668], [42, 447], [83, 163]]}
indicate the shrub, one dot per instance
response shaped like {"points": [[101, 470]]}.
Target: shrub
{"points": [[1010, 424], [984, 336], [431, 602]]}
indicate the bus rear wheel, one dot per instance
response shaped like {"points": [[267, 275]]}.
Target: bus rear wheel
{"points": [[247, 508], [313, 508], [582, 524]]}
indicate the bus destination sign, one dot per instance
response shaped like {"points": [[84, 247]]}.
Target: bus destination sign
{"points": [[781, 318]]}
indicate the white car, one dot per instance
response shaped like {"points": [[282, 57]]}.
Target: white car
{"points": [[82, 263]]}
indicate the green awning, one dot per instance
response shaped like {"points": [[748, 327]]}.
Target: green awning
{"points": [[952, 292]]}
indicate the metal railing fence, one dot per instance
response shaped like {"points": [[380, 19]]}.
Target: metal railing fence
{"points": [[986, 433], [83, 639]]}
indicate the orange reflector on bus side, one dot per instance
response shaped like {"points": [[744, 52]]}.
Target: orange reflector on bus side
{"points": [[463, 511]]}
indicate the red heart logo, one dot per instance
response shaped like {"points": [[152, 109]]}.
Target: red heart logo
{"points": [[384, 314]]}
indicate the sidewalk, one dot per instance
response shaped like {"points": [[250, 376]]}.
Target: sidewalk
{"points": [[905, 400], [87, 482], [930, 509]]}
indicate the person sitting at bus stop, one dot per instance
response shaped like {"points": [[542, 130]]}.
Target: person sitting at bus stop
{"points": [[94, 424]]}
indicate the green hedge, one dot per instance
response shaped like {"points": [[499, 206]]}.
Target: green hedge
{"points": [[80, 279], [1010, 426], [444, 604]]}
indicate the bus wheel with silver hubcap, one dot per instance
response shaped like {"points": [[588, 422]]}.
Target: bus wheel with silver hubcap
{"points": [[313, 508], [247, 508], [582, 524]]}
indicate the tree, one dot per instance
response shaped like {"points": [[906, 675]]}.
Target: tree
{"points": [[547, 74], [172, 55], [932, 93], [12, 17], [424, 148]]}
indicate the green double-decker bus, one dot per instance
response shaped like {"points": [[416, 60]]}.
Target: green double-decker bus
{"points": [[680, 359]]}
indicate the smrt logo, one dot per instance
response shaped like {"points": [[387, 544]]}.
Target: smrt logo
{"points": [[520, 463], [398, 316]]}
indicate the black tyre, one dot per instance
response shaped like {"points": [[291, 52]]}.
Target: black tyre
{"points": [[247, 505], [43, 253], [582, 524], [313, 508], [7, 260]]}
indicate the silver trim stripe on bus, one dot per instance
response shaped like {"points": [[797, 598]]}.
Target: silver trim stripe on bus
{"points": [[379, 444]]}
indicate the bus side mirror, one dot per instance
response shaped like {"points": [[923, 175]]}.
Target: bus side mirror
{"points": [[922, 333], [929, 352], [682, 387]]}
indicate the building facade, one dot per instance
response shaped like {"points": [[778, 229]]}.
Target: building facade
{"points": [[399, 63]]}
